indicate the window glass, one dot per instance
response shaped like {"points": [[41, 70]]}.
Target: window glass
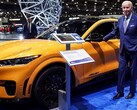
{"points": [[100, 31]]}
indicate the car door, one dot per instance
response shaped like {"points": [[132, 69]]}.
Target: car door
{"points": [[104, 53]]}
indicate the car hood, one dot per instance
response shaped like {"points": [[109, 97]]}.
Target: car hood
{"points": [[22, 48]]}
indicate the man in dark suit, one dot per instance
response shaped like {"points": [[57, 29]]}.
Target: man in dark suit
{"points": [[29, 30], [127, 28]]}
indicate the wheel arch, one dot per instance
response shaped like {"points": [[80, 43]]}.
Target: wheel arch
{"points": [[47, 67]]}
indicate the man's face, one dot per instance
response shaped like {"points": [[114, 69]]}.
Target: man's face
{"points": [[126, 8], [29, 20]]}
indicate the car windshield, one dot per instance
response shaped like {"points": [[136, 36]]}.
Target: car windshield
{"points": [[78, 26]]}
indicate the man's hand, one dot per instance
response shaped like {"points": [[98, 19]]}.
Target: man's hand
{"points": [[104, 39]]}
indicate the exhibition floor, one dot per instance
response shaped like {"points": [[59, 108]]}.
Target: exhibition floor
{"points": [[102, 100], [9, 36]]}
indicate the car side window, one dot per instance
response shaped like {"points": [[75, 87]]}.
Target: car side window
{"points": [[100, 31]]}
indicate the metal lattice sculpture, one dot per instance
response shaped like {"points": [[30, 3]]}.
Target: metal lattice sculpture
{"points": [[44, 13]]}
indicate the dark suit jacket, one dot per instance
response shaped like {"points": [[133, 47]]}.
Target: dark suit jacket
{"points": [[128, 39], [26, 32]]}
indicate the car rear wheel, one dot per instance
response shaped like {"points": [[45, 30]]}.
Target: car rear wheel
{"points": [[48, 84]]}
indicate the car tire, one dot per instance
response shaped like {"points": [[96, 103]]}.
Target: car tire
{"points": [[47, 86]]}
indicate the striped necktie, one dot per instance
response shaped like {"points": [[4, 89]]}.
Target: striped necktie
{"points": [[29, 27], [125, 24]]}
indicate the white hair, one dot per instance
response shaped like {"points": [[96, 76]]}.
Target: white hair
{"points": [[129, 2]]}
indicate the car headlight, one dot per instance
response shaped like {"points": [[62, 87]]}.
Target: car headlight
{"points": [[18, 61]]}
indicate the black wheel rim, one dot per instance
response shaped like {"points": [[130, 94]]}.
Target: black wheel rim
{"points": [[48, 86]]}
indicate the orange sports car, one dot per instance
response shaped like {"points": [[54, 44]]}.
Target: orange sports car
{"points": [[34, 68]]}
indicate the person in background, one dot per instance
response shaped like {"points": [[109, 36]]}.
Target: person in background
{"points": [[127, 28], [11, 29], [29, 30]]}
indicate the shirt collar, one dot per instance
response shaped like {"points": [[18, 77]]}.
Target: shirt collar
{"points": [[128, 17]]}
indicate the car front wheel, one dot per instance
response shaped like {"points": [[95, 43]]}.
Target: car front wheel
{"points": [[48, 84]]}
